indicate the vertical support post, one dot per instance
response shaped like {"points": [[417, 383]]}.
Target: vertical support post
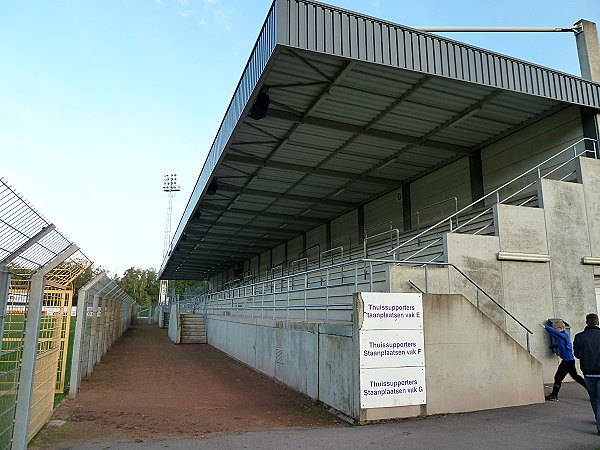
{"points": [[26, 379], [79, 334], [30, 346], [406, 207], [588, 50], [476, 175], [361, 223], [4, 287], [93, 331]]}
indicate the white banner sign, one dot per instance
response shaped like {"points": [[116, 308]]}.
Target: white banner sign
{"points": [[391, 348], [392, 311], [397, 386]]}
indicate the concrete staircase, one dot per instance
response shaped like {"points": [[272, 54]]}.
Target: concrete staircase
{"points": [[193, 329]]}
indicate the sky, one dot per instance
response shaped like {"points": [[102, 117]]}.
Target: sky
{"points": [[100, 98]]}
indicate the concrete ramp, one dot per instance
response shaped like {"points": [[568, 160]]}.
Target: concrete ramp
{"points": [[471, 363]]}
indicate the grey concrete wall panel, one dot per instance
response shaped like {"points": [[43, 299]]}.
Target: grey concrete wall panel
{"points": [[513, 155], [266, 343], [568, 241], [216, 332], [299, 369], [528, 295], [336, 379], [386, 208], [344, 232], [527, 286], [589, 174], [494, 370], [440, 187], [241, 342], [323, 28], [521, 229], [477, 256], [438, 279]]}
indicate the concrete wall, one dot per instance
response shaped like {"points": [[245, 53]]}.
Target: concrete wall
{"points": [[471, 363], [174, 331], [452, 180], [562, 233], [516, 153], [315, 359]]}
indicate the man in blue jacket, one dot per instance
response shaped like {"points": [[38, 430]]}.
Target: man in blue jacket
{"points": [[587, 350], [565, 351]]}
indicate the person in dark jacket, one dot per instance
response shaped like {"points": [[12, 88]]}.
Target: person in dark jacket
{"points": [[587, 350], [565, 351]]}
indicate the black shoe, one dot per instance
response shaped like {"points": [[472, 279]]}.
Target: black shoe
{"points": [[551, 398], [598, 431]]}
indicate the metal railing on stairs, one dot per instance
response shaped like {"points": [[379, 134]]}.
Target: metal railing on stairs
{"points": [[274, 299], [541, 171]]}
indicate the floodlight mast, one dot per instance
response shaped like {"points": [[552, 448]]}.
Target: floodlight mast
{"points": [[170, 186]]}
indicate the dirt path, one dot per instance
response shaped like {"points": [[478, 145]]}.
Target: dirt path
{"points": [[147, 388]]}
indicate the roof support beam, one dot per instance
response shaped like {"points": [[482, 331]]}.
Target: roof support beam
{"points": [[212, 224], [357, 129], [270, 215], [310, 170], [298, 198]]}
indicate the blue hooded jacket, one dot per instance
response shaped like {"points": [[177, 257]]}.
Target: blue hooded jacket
{"points": [[563, 343]]}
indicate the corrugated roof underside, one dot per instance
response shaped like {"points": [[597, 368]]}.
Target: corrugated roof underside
{"points": [[326, 29]]}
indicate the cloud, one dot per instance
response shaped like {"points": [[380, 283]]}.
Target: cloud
{"points": [[202, 22], [185, 14], [159, 2], [182, 2], [223, 18], [207, 2]]}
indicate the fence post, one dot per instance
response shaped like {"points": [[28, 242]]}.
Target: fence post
{"points": [[79, 334], [4, 286], [30, 345]]}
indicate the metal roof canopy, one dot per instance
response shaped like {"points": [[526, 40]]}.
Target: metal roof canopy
{"points": [[358, 106]]}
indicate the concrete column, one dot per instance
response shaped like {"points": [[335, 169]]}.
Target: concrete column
{"points": [[588, 49]]}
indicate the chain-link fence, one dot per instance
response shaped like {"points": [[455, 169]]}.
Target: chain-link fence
{"points": [[104, 313], [38, 265]]}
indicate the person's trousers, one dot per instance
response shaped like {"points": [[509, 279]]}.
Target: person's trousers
{"points": [[593, 388], [564, 368]]}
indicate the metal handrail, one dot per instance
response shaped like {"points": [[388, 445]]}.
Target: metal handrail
{"points": [[441, 202], [391, 232], [332, 250], [385, 222], [254, 291], [496, 192]]}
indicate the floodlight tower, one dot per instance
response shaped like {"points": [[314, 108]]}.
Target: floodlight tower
{"points": [[170, 186]]}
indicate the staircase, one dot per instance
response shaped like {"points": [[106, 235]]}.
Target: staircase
{"points": [[193, 330]]}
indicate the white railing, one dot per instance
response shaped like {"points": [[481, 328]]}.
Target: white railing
{"points": [[537, 170], [278, 298]]}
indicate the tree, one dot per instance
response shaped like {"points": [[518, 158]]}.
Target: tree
{"points": [[83, 279], [140, 284]]}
